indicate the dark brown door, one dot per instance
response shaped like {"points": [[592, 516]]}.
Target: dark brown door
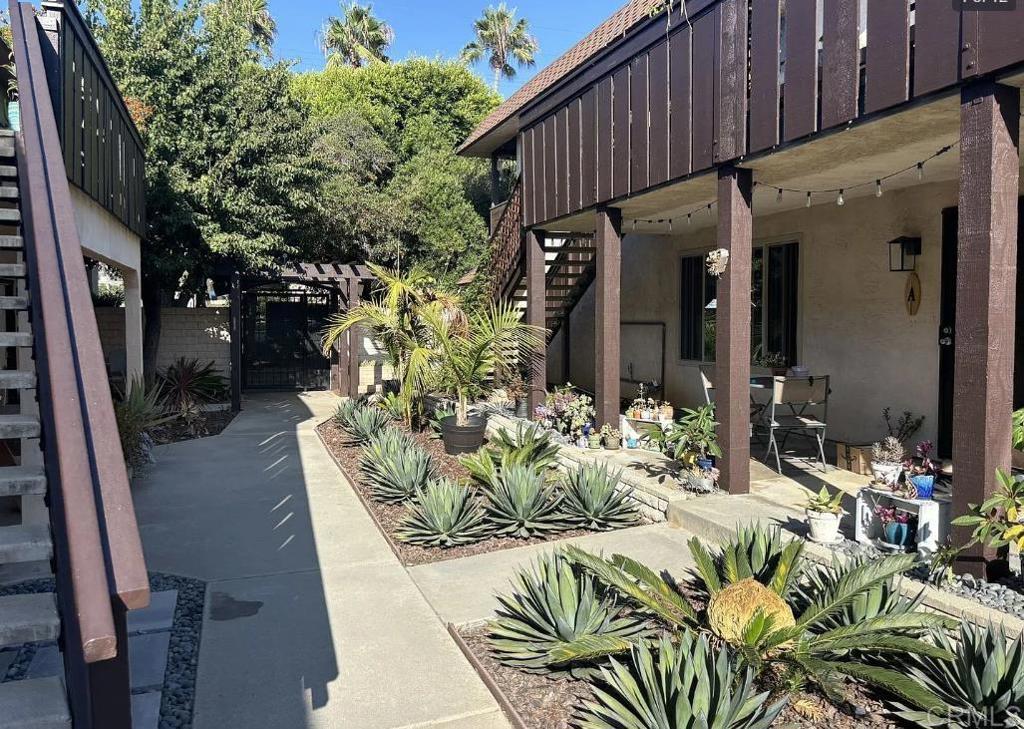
{"points": [[947, 327]]}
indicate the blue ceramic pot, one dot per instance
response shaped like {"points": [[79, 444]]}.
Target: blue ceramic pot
{"points": [[705, 464], [632, 442], [925, 486], [898, 534]]}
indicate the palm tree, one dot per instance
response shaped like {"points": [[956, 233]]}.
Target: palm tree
{"points": [[356, 38], [504, 40], [255, 15]]}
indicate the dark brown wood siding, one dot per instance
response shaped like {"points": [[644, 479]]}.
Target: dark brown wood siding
{"points": [[573, 156], [529, 186], [638, 125], [562, 161], [620, 132], [588, 147], [550, 177], [936, 45], [679, 102], [764, 74], [840, 72], [800, 94], [605, 115], [704, 83], [888, 54], [731, 92], [658, 142]]}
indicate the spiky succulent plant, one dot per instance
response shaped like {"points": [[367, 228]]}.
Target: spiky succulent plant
{"points": [[444, 514], [365, 422], [394, 466], [756, 552], [552, 610], [682, 686], [521, 503], [530, 445], [343, 413], [594, 499], [982, 686]]}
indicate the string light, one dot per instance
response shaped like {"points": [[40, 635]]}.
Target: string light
{"points": [[920, 171], [778, 198], [878, 188], [840, 201], [808, 200]]}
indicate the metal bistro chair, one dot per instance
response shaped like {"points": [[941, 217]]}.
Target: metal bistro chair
{"points": [[799, 404]]}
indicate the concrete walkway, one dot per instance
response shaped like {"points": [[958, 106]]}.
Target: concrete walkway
{"points": [[310, 619]]}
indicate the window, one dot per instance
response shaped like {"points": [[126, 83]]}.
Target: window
{"points": [[773, 304]]}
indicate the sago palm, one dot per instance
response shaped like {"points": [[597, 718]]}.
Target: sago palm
{"points": [[357, 38], [504, 40]]}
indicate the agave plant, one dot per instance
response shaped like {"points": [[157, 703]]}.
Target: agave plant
{"points": [[394, 467], [344, 412], [594, 499], [444, 514], [522, 504], [391, 403], [531, 445], [982, 686], [754, 553], [364, 423], [682, 686], [552, 606]]}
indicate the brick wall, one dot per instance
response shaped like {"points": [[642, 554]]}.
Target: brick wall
{"points": [[202, 334]]}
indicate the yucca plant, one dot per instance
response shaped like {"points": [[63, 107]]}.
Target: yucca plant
{"points": [[521, 503], [444, 514], [137, 411], [756, 552], [186, 384], [394, 466], [552, 606], [691, 685], [364, 423], [593, 499], [531, 445], [982, 686]]}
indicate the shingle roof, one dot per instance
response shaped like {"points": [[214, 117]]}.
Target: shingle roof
{"points": [[630, 15]]}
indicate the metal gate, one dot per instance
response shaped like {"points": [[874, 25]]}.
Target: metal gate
{"points": [[281, 339]]}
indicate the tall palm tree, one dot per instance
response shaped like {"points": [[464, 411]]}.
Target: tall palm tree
{"points": [[253, 14], [356, 38], [504, 40]]}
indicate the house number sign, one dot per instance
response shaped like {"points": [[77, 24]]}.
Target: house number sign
{"points": [[912, 294]]}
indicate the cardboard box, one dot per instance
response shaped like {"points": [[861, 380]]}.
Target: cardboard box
{"points": [[855, 458]]}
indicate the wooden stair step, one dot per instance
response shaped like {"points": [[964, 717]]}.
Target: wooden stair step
{"points": [[15, 339], [38, 703], [22, 481], [7, 147], [17, 303], [28, 619], [8, 171], [10, 215], [12, 270], [19, 426], [8, 192], [25, 543], [11, 241], [17, 380]]}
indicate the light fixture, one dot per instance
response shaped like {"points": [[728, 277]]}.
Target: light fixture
{"points": [[689, 218], [808, 199], [878, 188], [840, 201], [778, 198], [903, 253], [920, 171]]}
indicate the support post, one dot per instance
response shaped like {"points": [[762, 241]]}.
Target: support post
{"points": [[340, 356], [608, 243], [353, 341], [132, 324], [732, 342], [496, 179], [236, 342], [536, 310], [567, 347], [985, 303]]}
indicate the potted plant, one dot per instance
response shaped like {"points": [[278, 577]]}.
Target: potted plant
{"points": [[897, 525], [667, 411], [921, 472], [887, 459], [824, 514], [694, 438], [594, 437], [515, 390], [774, 361], [612, 437], [700, 481]]}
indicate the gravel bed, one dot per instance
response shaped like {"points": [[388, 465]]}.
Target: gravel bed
{"points": [[389, 516], [210, 423], [178, 695]]}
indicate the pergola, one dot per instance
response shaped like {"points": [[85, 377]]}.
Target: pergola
{"points": [[347, 280]]}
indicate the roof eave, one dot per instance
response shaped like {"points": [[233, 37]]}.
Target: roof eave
{"points": [[486, 144]]}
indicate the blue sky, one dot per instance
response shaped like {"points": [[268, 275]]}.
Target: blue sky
{"points": [[440, 27]]}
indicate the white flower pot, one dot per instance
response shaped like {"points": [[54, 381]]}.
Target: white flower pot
{"points": [[887, 473], [824, 527]]}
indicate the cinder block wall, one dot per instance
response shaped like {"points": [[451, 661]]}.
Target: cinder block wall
{"points": [[202, 334]]}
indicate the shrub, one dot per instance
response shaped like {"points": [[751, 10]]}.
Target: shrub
{"points": [[444, 514], [552, 607], [364, 423], [394, 466], [754, 553], [593, 500], [522, 504], [678, 687], [186, 384], [138, 411], [982, 686]]}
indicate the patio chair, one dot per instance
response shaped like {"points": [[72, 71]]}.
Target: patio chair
{"points": [[709, 388], [798, 405]]}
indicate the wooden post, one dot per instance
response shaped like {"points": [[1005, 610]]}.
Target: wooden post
{"points": [[236, 342], [732, 343], [985, 303], [608, 243], [353, 340], [339, 358], [496, 179], [567, 347], [536, 309]]}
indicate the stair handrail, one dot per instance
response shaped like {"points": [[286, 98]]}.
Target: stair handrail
{"points": [[101, 571], [507, 242]]}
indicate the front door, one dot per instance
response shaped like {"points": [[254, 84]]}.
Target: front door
{"points": [[947, 327]]}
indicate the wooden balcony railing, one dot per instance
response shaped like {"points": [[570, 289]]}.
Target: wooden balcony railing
{"points": [[507, 245], [100, 570], [103, 153]]}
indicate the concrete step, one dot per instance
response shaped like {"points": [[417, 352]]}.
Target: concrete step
{"points": [[19, 426], [22, 481], [11, 241], [15, 339], [8, 171], [17, 380], [12, 270], [17, 303], [39, 703], [8, 192], [28, 619], [10, 215], [25, 543], [6, 148]]}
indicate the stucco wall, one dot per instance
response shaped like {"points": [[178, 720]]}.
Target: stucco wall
{"points": [[103, 236], [853, 324], [201, 333]]}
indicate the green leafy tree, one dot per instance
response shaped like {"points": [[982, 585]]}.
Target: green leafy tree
{"points": [[503, 39], [357, 38]]}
